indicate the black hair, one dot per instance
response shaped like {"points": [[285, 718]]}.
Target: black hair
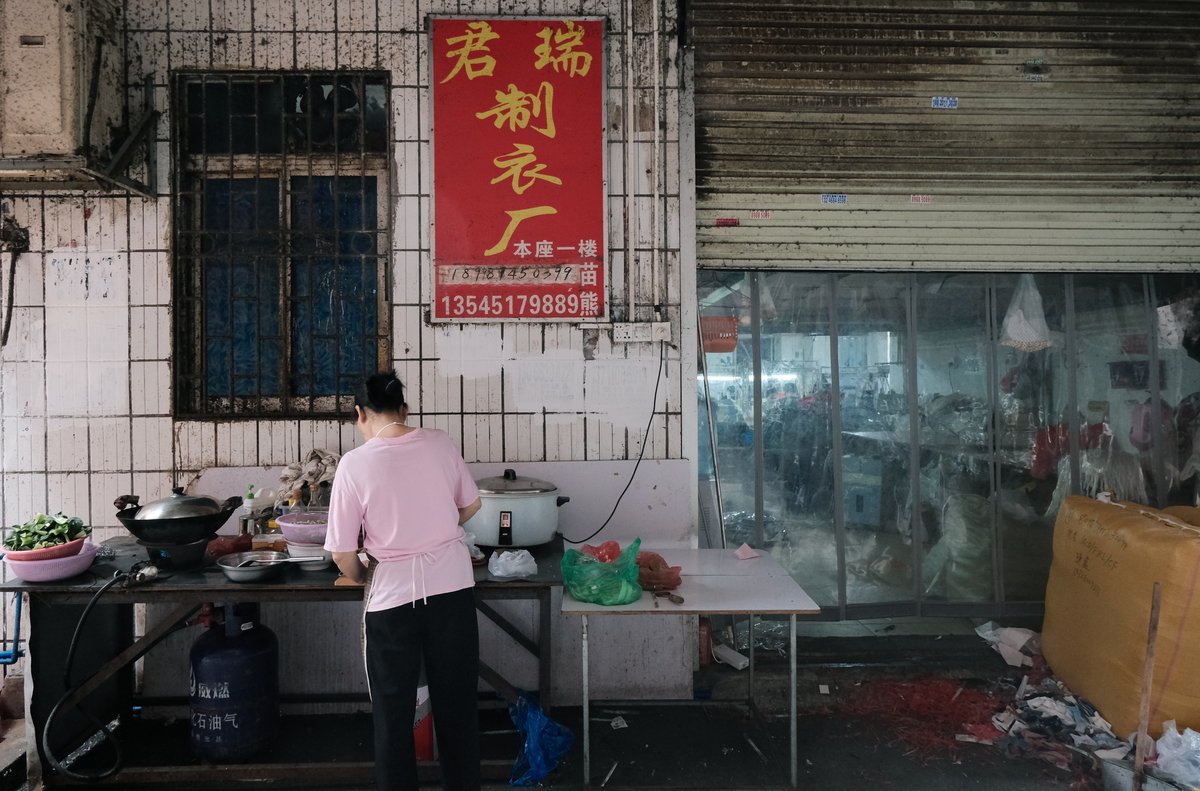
{"points": [[382, 392]]}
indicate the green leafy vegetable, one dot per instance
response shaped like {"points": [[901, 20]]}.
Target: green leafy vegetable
{"points": [[45, 531]]}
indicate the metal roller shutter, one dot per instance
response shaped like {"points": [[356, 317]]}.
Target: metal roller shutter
{"points": [[946, 135]]}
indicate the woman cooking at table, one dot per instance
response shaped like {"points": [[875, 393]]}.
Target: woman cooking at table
{"points": [[407, 491]]}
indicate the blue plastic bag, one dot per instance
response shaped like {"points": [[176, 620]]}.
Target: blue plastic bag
{"points": [[546, 741]]}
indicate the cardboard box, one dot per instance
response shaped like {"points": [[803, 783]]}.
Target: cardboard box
{"points": [[1106, 561]]}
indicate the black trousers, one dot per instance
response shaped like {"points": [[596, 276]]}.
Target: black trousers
{"points": [[442, 631]]}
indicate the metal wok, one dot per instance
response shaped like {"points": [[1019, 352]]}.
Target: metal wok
{"points": [[173, 529]]}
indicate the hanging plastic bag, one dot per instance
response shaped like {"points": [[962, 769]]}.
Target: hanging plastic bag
{"points": [[1024, 326], [592, 580], [545, 742]]}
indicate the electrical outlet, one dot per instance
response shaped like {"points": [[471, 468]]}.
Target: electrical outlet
{"points": [[631, 332], [641, 331]]}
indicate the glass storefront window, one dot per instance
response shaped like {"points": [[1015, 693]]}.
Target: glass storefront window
{"points": [[902, 442], [954, 517], [872, 328]]}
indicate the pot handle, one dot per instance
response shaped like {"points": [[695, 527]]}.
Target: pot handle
{"points": [[126, 501], [563, 501], [230, 503]]}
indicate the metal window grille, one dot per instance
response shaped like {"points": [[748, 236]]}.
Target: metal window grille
{"points": [[281, 188]]}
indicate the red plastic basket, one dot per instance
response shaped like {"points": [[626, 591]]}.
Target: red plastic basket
{"points": [[719, 333]]}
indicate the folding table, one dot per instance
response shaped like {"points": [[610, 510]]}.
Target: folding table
{"points": [[714, 582]]}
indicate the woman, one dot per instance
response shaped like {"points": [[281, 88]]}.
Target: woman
{"points": [[407, 492]]}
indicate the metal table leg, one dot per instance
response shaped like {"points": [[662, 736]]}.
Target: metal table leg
{"points": [[792, 692], [750, 651], [587, 720], [545, 650]]}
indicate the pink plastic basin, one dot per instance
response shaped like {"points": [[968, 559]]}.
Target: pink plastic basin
{"points": [[303, 527], [54, 568]]}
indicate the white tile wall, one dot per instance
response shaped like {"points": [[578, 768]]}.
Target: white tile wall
{"points": [[150, 388], [151, 443], [278, 441], [27, 335], [66, 334], [274, 51], [30, 279], [110, 444], [149, 333], [232, 14], [323, 435], [67, 386], [149, 278], [150, 486], [85, 388], [66, 444], [195, 445], [66, 492], [103, 488], [237, 443], [24, 495], [66, 280], [23, 388], [108, 388], [107, 333], [24, 444]]}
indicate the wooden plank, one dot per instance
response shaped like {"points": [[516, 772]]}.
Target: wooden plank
{"points": [[1143, 742]]}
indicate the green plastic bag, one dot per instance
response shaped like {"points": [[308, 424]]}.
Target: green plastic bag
{"points": [[595, 581]]}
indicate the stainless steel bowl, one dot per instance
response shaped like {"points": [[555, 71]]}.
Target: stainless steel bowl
{"points": [[255, 572]]}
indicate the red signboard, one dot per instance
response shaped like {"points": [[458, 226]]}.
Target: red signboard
{"points": [[518, 169]]}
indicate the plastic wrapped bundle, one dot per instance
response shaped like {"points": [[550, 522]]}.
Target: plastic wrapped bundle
{"points": [[589, 579]]}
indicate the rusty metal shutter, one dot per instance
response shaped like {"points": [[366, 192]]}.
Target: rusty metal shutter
{"points": [[947, 135]]}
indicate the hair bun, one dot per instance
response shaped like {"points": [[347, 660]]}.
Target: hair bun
{"points": [[394, 388]]}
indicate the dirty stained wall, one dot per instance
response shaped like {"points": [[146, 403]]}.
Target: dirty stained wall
{"points": [[85, 382]]}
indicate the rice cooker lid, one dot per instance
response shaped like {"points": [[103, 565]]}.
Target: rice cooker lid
{"points": [[511, 483]]}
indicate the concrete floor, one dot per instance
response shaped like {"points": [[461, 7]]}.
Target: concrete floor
{"points": [[718, 743]]}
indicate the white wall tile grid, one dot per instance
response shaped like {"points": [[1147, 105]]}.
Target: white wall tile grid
{"points": [[85, 388]]}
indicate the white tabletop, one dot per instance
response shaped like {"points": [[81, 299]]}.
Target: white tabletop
{"points": [[712, 594], [721, 562]]}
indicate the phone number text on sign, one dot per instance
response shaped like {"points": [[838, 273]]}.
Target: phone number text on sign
{"points": [[519, 305], [510, 275], [517, 291]]}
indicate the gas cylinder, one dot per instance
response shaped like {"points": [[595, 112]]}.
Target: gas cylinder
{"points": [[234, 687]]}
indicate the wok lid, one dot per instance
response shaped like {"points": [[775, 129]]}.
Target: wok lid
{"points": [[182, 506]]}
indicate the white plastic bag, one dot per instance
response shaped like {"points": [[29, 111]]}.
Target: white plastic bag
{"points": [[1024, 326], [476, 552], [1179, 753], [518, 563]]}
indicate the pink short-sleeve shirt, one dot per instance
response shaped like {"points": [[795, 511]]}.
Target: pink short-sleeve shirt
{"points": [[401, 495]]}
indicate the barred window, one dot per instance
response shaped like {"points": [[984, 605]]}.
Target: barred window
{"points": [[281, 192]]}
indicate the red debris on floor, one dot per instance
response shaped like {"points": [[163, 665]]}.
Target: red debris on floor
{"points": [[926, 715]]}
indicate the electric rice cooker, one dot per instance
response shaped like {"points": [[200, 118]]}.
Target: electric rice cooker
{"points": [[515, 511]]}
